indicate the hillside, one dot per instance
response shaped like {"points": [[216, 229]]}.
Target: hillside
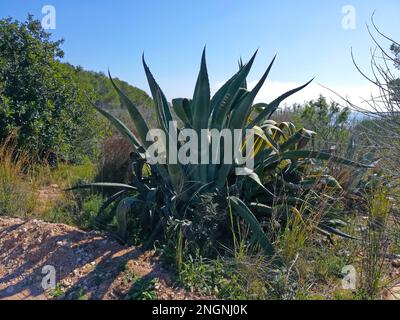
{"points": [[99, 86]]}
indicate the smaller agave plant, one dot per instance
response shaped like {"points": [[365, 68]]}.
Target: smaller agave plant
{"points": [[283, 169]]}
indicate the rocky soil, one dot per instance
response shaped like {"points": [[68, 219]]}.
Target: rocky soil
{"points": [[88, 265]]}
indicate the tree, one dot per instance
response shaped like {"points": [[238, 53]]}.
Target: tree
{"points": [[40, 98], [327, 119]]}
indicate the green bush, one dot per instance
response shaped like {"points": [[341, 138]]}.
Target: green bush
{"points": [[328, 119], [79, 210], [40, 97]]}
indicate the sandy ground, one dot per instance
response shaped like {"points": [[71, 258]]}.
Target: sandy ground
{"points": [[88, 265]]}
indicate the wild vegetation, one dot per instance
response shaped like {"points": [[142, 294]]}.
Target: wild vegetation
{"points": [[322, 197]]}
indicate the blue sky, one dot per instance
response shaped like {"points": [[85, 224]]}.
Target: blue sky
{"points": [[307, 36]]}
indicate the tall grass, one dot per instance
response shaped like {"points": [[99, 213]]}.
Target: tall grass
{"points": [[374, 244], [17, 194], [31, 190]]}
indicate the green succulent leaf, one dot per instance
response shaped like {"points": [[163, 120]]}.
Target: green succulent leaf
{"points": [[244, 212], [299, 154], [335, 231], [123, 130], [201, 97], [242, 112], [121, 214], [105, 185], [224, 98], [136, 116], [162, 108], [183, 110], [273, 106]]}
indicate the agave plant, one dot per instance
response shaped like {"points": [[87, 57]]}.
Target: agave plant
{"points": [[171, 189]]}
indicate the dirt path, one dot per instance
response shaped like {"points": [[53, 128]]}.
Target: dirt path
{"points": [[88, 265]]}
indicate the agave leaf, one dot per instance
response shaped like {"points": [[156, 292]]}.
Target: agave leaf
{"points": [[182, 110], [124, 130], [259, 107], [338, 222], [136, 117], [165, 120], [121, 215], [106, 185], [324, 179], [298, 154], [224, 99], [239, 117], [269, 139], [241, 66], [242, 112], [201, 97], [335, 231], [174, 169], [262, 208], [267, 112], [139, 123], [110, 200], [201, 112], [289, 126], [244, 212], [254, 176], [308, 136], [270, 127], [163, 112], [261, 139], [301, 137], [101, 219], [219, 99]]}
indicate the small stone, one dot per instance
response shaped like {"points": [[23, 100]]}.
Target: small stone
{"points": [[396, 263]]}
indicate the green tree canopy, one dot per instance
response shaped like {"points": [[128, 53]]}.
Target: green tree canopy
{"points": [[44, 99], [327, 119], [38, 95]]}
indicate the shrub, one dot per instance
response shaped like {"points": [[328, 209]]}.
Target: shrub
{"points": [[40, 96], [329, 120], [79, 210], [114, 162]]}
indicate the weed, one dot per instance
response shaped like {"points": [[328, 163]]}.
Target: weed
{"points": [[57, 292], [143, 289]]}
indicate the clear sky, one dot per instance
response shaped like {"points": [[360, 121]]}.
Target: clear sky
{"points": [[307, 35]]}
